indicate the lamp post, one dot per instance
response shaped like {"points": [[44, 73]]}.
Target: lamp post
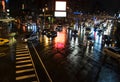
{"points": [[44, 15], [43, 18]]}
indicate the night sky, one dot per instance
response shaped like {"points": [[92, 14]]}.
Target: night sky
{"points": [[107, 5], [75, 5]]}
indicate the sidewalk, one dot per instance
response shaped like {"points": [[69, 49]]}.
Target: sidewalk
{"points": [[7, 61], [7, 65]]}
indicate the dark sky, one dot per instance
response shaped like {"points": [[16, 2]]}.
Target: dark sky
{"points": [[88, 5], [107, 5], [100, 3]]}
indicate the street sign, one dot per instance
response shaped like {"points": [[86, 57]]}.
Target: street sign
{"points": [[77, 13]]}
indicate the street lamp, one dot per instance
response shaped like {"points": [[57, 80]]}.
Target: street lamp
{"points": [[44, 14]]}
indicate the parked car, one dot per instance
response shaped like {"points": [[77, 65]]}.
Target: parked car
{"points": [[51, 34], [30, 37], [4, 42]]}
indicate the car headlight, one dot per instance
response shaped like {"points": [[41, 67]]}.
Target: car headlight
{"points": [[25, 40]]}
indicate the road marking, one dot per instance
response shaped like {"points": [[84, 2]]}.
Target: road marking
{"points": [[34, 81], [2, 54], [20, 55], [25, 77], [23, 47], [22, 52], [26, 65], [24, 61], [26, 70], [42, 64], [21, 58]]}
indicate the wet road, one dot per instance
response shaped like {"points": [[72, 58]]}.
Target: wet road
{"points": [[66, 59], [7, 63]]}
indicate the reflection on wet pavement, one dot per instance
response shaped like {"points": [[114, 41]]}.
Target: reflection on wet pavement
{"points": [[68, 60], [7, 60]]}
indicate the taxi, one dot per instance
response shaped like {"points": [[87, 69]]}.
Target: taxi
{"points": [[4, 41]]}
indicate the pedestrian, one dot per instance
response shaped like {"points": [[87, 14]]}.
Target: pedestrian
{"points": [[90, 46]]}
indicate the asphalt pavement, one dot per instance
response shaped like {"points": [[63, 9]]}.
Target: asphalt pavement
{"points": [[7, 64], [90, 66]]}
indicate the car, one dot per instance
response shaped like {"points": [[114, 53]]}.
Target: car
{"points": [[44, 31], [113, 52], [90, 40], [51, 34], [69, 28], [100, 32], [4, 41], [30, 37], [59, 28], [107, 39], [74, 33], [88, 31]]}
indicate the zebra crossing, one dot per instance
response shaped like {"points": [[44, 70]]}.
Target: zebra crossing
{"points": [[25, 69]]}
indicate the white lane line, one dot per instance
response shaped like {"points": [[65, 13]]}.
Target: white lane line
{"points": [[42, 64]]}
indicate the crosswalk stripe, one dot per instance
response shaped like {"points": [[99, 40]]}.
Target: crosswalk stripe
{"points": [[26, 70], [24, 65], [25, 61], [22, 52], [21, 66], [22, 58], [21, 47], [25, 77], [20, 55]]}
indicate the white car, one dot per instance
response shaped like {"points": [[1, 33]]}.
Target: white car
{"points": [[30, 37]]}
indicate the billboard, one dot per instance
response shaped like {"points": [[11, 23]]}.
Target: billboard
{"points": [[60, 9], [60, 5], [60, 14]]}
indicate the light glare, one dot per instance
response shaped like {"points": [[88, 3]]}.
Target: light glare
{"points": [[60, 5], [60, 14]]}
